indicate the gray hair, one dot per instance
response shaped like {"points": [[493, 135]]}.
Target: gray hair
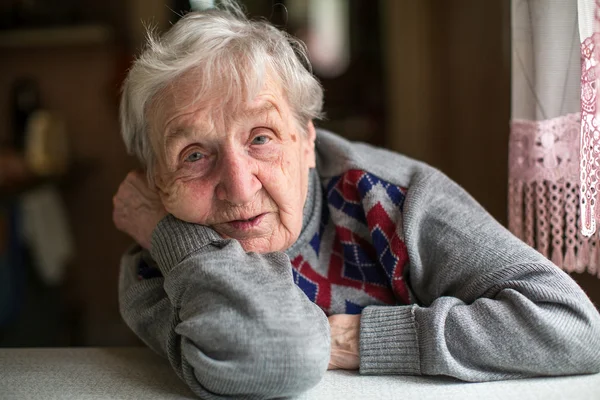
{"points": [[217, 43]]}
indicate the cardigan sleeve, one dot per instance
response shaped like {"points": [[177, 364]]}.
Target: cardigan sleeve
{"points": [[232, 324], [488, 306]]}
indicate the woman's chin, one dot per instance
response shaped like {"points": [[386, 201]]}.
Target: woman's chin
{"points": [[257, 245], [264, 245], [264, 234]]}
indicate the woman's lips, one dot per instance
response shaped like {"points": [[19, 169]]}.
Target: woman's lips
{"points": [[249, 224]]}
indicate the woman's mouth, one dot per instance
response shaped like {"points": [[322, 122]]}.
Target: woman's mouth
{"points": [[247, 224]]}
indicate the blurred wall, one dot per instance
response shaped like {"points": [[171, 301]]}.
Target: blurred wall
{"points": [[79, 82], [448, 65]]}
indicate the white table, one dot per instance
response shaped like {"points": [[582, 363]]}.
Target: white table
{"points": [[137, 373]]}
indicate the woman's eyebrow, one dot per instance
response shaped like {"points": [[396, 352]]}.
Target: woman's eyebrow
{"points": [[179, 133], [263, 109], [176, 134]]}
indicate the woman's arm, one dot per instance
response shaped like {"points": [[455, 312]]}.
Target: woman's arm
{"points": [[488, 306], [231, 324]]}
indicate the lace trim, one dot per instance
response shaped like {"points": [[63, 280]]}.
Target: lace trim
{"points": [[590, 135], [545, 149], [543, 192]]}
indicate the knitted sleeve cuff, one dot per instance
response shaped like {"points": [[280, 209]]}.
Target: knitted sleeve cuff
{"points": [[173, 240], [388, 341]]}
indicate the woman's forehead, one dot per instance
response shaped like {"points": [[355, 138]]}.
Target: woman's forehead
{"points": [[179, 113], [186, 94], [173, 114]]}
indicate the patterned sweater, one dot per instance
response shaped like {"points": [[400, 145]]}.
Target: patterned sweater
{"points": [[358, 256], [441, 287]]}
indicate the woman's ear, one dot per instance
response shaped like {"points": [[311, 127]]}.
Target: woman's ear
{"points": [[309, 151]]}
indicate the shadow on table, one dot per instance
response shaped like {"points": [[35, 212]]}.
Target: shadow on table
{"points": [[144, 371]]}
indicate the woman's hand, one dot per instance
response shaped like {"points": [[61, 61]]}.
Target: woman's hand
{"points": [[345, 333], [137, 209]]}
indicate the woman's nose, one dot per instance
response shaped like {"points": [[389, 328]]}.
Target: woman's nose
{"points": [[238, 182]]}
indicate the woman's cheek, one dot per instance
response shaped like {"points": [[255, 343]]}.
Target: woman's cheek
{"points": [[268, 154], [189, 202]]}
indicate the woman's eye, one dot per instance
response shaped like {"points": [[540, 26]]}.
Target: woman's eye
{"points": [[261, 140], [193, 157]]}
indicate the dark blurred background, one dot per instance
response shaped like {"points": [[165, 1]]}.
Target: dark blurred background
{"points": [[427, 78]]}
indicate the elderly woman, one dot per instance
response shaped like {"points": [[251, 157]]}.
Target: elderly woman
{"points": [[269, 251]]}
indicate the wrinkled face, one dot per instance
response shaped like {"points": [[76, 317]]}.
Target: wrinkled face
{"points": [[241, 171]]}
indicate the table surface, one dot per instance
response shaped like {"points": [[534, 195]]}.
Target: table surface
{"points": [[137, 373]]}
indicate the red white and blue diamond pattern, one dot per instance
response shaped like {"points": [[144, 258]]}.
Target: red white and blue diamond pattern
{"points": [[358, 256]]}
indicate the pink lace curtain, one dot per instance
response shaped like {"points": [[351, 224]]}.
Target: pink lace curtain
{"points": [[554, 149]]}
